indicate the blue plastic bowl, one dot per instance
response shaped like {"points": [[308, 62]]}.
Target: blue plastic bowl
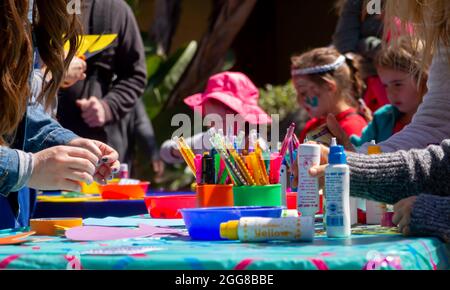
{"points": [[204, 223]]}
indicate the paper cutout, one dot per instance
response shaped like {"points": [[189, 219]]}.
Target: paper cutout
{"points": [[374, 230], [124, 250], [95, 233], [132, 222], [16, 238], [60, 198], [90, 45]]}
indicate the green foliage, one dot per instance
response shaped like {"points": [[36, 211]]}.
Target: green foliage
{"points": [[164, 76], [280, 100], [153, 63]]}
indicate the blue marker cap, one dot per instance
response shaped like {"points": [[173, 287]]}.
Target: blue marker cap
{"points": [[337, 154]]}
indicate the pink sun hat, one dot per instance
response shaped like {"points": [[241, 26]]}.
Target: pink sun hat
{"points": [[236, 91]]}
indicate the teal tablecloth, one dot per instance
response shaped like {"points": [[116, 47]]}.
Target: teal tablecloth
{"points": [[362, 251]]}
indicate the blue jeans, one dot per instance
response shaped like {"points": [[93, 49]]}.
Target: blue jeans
{"points": [[17, 209]]}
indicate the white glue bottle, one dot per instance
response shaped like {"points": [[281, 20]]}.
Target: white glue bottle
{"points": [[308, 187], [374, 210], [337, 190], [257, 229]]}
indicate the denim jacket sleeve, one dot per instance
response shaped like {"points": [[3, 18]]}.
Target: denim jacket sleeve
{"points": [[9, 169], [41, 132]]}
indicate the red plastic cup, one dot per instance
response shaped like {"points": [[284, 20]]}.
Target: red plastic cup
{"points": [[291, 201]]}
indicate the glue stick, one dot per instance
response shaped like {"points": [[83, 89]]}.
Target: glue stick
{"points": [[123, 171], [374, 210], [308, 187], [337, 190], [256, 229]]}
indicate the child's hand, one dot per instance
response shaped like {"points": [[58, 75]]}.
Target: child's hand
{"points": [[365, 111], [62, 168], [337, 131], [107, 156], [319, 170], [402, 214]]}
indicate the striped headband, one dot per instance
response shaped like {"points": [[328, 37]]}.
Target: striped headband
{"points": [[319, 69]]}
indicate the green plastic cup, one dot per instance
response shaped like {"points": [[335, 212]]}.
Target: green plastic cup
{"points": [[259, 195]]}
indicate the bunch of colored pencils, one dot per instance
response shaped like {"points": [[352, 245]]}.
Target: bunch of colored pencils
{"points": [[235, 160]]}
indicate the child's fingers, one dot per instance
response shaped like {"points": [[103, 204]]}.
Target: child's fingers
{"points": [[399, 205], [317, 171], [403, 224], [396, 218]]}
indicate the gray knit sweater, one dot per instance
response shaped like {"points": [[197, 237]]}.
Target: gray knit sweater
{"points": [[394, 176]]}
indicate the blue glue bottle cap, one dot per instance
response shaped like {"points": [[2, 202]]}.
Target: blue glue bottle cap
{"points": [[337, 153]]}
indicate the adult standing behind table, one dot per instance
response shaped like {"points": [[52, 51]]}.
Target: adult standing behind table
{"points": [[99, 105]]}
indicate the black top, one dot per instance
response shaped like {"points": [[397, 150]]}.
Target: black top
{"points": [[117, 75]]}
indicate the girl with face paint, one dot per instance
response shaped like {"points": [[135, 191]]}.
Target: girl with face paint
{"points": [[328, 83]]}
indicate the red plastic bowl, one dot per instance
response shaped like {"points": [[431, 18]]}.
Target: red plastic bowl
{"points": [[169, 206], [125, 191]]}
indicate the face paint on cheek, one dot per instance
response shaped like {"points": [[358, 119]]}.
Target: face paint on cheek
{"points": [[312, 105], [312, 102]]}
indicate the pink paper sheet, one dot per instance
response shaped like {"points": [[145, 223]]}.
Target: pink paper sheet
{"points": [[95, 233]]}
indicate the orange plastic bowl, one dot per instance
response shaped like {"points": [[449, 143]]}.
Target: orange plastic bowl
{"points": [[125, 191], [169, 206]]}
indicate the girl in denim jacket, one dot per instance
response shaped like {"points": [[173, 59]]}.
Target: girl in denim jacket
{"points": [[35, 151]]}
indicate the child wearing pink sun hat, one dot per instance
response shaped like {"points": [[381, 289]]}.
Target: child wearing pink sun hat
{"points": [[226, 93]]}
